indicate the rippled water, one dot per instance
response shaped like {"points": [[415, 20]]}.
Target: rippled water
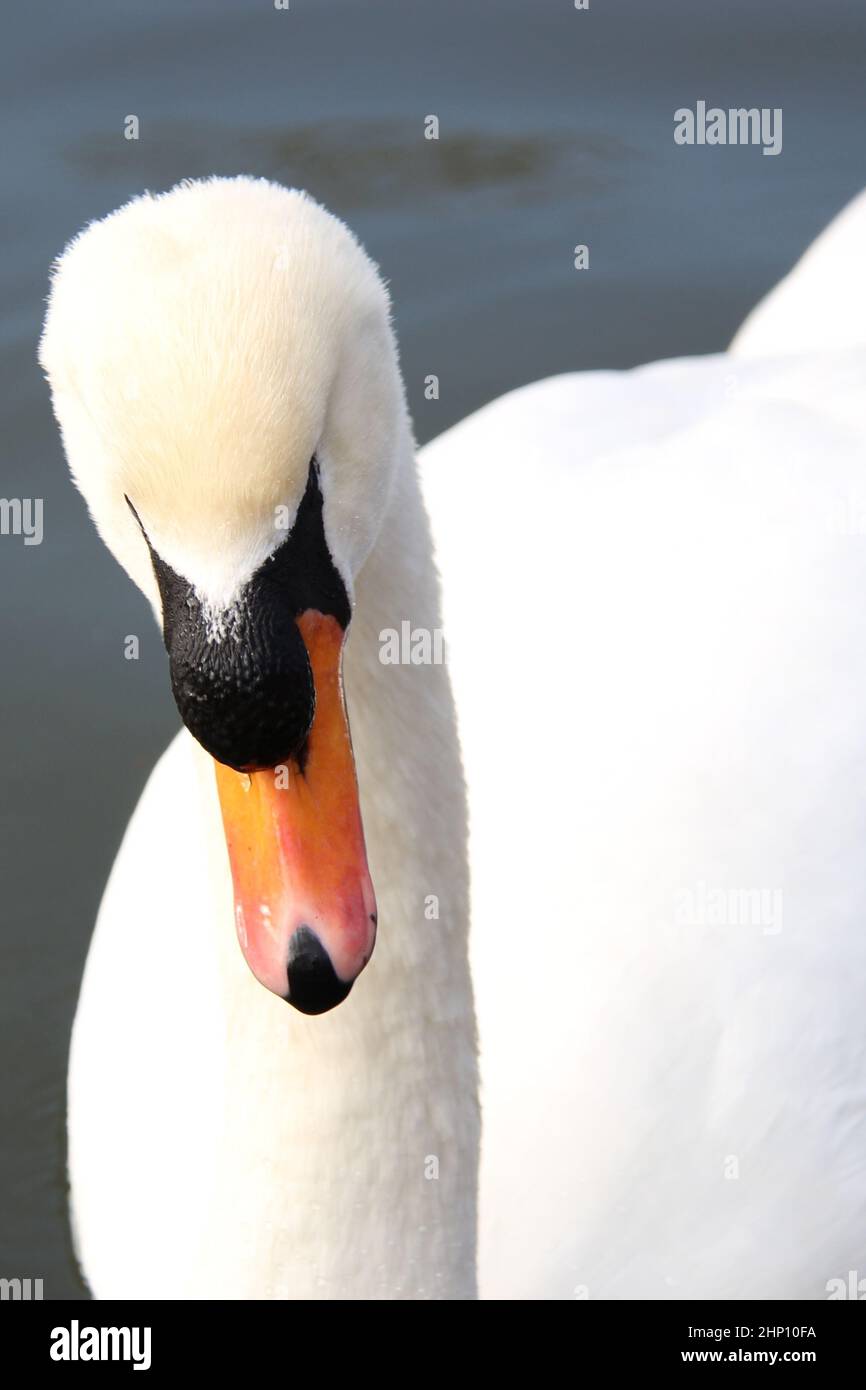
{"points": [[555, 128]]}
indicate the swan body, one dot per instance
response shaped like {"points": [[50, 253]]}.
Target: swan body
{"points": [[672, 1052], [652, 596]]}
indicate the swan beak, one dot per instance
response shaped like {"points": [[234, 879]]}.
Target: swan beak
{"points": [[304, 904]]}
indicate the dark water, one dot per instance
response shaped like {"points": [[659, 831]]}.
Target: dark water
{"points": [[556, 128]]}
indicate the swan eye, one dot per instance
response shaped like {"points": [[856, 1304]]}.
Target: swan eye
{"points": [[241, 679]]}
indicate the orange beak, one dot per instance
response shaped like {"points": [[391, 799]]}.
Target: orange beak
{"points": [[304, 904]]}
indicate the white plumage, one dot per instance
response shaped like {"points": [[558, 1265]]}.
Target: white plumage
{"points": [[653, 585]]}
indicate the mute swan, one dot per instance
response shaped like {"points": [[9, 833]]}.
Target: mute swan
{"points": [[652, 606]]}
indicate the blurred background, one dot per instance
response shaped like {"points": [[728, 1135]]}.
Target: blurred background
{"points": [[556, 128]]}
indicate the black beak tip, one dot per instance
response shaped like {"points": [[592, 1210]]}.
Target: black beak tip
{"points": [[314, 986]]}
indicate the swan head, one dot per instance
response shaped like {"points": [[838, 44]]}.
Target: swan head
{"points": [[225, 378]]}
